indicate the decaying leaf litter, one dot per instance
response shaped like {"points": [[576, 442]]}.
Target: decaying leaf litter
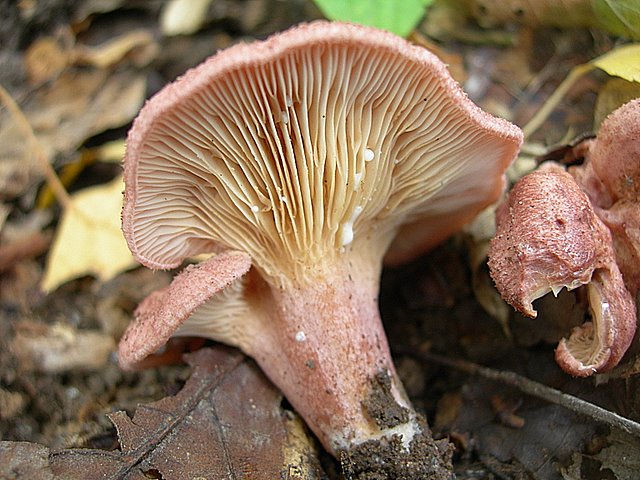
{"points": [[427, 306]]}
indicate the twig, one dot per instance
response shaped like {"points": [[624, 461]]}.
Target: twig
{"points": [[552, 102], [539, 390], [52, 178], [27, 247]]}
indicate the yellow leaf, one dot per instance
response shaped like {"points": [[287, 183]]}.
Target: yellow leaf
{"points": [[89, 240], [623, 62]]}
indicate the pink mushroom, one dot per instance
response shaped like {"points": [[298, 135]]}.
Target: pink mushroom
{"points": [[548, 237], [560, 229], [610, 176], [305, 154]]}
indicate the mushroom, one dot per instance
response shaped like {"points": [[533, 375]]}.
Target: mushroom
{"points": [[548, 237], [610, 175], [306, 153]]}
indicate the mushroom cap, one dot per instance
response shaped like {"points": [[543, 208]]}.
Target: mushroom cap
{"points": [[615, 154], [547, 238], [319, 141], [164, 311], [610, 176]]}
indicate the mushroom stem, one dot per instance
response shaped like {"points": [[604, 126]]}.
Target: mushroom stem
{"points": [[323, 344]]}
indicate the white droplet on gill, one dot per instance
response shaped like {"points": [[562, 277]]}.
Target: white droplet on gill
{"points": [[368, 155], [346, 233]]}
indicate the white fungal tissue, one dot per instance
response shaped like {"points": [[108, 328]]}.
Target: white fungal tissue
{"points": [[346, 233], [300, 336], [255, 208], [357, 180]]}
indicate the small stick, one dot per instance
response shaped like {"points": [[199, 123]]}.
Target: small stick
{"points": [[536, 389], [552, 102], [21, 120], [25, 247]]}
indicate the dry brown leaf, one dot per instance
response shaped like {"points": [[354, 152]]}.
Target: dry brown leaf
{"points": [[45, 59], [81, 104], [622, 456], [137, 46], [18, 168], [89, 240], [225, 423], [183, 17], [12, 404], [619, 17], [60, 348], [77, 106], [548, 437], [24, 460], [4, 213]]}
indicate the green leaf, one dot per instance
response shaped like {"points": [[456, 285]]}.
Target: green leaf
{"points": [[623, 62], [620, 17], [397, 16]]}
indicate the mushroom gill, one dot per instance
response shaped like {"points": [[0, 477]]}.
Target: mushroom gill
{"points": [[298, 149]]}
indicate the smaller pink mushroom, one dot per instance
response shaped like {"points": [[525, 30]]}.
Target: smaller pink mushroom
{"points": [[560, 229], [548, 238], [610, 176]]}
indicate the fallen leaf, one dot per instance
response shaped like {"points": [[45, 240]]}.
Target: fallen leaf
{"points": [[12, 404], [183, 17], [24, 460], [4, 213], [613, 94], [60, 117], [28, 246], [18, 168], [619, 17], [226, 422], [45, 59], [138, 46], [60, 348], [623, 62], [89, 240], [83, 103], [622, 456], [110, 152], [548, 437]]}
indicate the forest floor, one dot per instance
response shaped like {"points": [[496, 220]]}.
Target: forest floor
{"points": [[77, 73]]}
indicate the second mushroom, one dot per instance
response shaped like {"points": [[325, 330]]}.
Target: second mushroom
{"points": [[296, 161], [568, 228]]}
